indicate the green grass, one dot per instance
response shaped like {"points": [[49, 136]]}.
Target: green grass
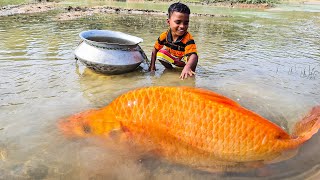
{"points": [[242, 1], [16, 2], [256, 1], [230, 1], [12, 2]]}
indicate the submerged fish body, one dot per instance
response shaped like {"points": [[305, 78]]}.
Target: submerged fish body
{"points": [[192, 126]]}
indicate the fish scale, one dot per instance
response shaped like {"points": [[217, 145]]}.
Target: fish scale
{"points": [[195, 136], [192, 126]]}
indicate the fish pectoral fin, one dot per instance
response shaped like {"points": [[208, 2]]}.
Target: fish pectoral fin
{"points": [[226, 166], [254, 164], [117, 135], [281, 156]]}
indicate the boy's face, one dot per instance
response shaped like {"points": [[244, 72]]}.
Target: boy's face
{"points": [[178, 23]]}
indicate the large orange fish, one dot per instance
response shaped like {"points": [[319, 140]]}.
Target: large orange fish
{"points": [[192, 126]]}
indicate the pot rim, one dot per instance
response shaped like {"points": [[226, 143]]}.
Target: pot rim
{"points": [[108, 33]]}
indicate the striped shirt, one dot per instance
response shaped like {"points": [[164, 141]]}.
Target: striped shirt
{"points": [[183, 46]]}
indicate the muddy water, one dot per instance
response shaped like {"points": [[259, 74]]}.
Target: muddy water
{"points": [[268, 61]]}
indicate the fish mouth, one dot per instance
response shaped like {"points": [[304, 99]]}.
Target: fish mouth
{"points": [[72, 129], [76, 125]]}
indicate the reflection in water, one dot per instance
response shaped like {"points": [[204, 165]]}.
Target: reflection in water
{"points": [[268, 61], [101, 89]]}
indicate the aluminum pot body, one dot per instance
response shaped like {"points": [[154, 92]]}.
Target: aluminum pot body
{"points": [[109, 52]]}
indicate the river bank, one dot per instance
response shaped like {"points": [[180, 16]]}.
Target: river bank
{"points": [[75, 12]]}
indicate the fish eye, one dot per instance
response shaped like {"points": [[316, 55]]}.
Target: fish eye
{"points": [[280, 136], [86, 129]]}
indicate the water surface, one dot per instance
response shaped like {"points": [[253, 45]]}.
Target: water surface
{"points": [[268, 61]]}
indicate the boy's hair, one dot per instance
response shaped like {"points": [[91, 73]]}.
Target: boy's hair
{"points": [[178, 7]]}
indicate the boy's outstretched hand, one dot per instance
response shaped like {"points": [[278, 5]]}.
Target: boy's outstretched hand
{"points": [[190, 67], [186, 72]]}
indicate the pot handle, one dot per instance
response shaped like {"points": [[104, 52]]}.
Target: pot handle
{"points": [[146, 60]]}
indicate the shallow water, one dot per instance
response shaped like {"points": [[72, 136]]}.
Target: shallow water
{"points": [[268, 61]]}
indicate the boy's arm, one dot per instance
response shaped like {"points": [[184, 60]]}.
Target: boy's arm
{"points": [[190, 67], [152, 66]]}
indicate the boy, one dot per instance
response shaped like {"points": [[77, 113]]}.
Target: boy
{"points": [[180, 48]]}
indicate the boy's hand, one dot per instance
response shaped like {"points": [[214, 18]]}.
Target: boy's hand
{"points": [[190, 67], [152, 68], [186, 72]]}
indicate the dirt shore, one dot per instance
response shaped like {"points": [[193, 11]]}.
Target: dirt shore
{"points": [[27, 8], [71, 13]]}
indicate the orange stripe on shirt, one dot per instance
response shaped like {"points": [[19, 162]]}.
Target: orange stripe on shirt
{"points": [[185, 47]]}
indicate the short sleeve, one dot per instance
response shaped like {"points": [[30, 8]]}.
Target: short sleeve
{"points": [[160, 41], [191, 47]]}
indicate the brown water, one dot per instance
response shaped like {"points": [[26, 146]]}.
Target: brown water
{"points": [[268, 61]]}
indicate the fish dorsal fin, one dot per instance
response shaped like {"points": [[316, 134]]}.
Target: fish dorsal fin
{"points": [[210, 95]]}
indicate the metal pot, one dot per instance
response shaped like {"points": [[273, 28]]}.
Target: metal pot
{"points": [[109, 52]]}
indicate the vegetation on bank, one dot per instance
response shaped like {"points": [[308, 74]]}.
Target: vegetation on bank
{"points": [[16, 2], [232, 1]]}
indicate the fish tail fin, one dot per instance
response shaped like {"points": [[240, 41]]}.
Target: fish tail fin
{"points": [[308, 126], [89, 123]]}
